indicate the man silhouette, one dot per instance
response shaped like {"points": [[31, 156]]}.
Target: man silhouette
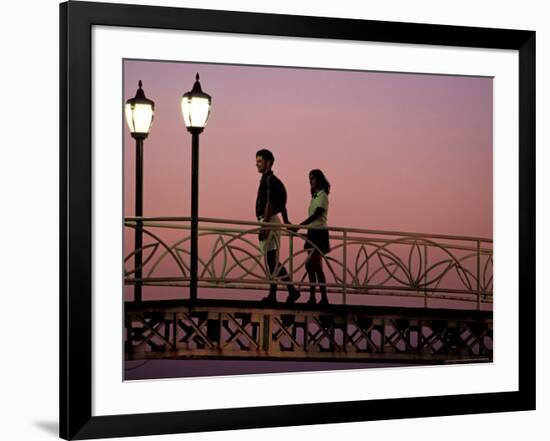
{"points": [[270, 202]]}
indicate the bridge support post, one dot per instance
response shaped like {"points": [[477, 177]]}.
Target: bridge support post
{"points": [[266, 337]]}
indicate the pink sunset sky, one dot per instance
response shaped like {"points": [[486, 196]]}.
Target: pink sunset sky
{"points": [[404, 152]]}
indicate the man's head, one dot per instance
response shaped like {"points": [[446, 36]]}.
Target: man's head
{"points": [[264, 160]]}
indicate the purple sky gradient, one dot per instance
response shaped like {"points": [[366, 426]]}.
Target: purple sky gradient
{"points": [[402, 151]]}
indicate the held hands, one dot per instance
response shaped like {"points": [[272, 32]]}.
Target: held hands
{"points": [[293, 229], [286, 221], [264, 231]]}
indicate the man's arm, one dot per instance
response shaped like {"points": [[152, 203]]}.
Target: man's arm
{"points": [[264, 231], [285, 215], [267, 212]]}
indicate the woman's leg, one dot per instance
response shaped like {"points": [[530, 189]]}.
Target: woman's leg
{"points": [[321, 279], [310, 268]]}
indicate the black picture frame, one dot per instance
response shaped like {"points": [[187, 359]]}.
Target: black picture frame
{"points": [[76, 21]]}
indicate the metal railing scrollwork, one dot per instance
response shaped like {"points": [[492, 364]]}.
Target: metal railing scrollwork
{"points": [[361, 262]]}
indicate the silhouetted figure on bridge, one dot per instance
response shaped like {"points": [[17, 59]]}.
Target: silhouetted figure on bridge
{"points": [[270, 202], [317, 240]]}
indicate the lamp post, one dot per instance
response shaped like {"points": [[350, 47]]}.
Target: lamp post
{"points": [[195, 108], [139, 116]]}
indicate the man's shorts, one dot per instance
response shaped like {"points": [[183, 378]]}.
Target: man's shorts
{"points": [[273, 240]]}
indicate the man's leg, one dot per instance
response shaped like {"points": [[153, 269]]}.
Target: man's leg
{"points": [[273, 263], [271, 257], [293, 293]]}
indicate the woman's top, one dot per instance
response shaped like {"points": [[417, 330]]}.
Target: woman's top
{"points": [[319, 199]]}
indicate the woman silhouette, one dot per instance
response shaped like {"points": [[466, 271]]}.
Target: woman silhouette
{"points": [[317, 239]]}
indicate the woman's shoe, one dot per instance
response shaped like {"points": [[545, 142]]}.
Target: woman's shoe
{"points": [[323, 301], [311, 301], [293, 296]]}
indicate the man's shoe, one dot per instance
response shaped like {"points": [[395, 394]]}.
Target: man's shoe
{"points": [[323, 301], [269, 300]]}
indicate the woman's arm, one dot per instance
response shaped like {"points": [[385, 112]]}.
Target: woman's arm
{"points": [[318, 212]]}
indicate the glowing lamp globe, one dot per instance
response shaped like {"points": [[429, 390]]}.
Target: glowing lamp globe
{"points": [[195, 108], [139, 114]]}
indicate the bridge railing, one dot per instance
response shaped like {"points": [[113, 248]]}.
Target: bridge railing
{"points": [[361, 262]]}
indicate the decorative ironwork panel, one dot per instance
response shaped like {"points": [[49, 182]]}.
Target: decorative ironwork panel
{"points": [[375, 334]]}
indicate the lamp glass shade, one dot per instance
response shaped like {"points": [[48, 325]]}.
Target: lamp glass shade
{"points": [[195, 110], [139, 117]]}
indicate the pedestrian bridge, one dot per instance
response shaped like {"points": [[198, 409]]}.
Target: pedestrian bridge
{"points": [[433, 295]]}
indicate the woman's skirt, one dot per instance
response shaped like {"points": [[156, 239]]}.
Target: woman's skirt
{"points": [[319, 238]]}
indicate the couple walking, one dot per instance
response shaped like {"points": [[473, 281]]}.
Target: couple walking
{"points": [[270, 203]]}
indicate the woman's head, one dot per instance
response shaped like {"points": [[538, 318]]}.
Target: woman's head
{"points": [[318, 181]]}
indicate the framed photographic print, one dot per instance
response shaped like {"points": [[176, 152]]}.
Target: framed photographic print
{"points": [[295, 220]]}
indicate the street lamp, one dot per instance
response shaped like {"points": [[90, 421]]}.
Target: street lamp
{"points": [[139, 116], [195, 108]]}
